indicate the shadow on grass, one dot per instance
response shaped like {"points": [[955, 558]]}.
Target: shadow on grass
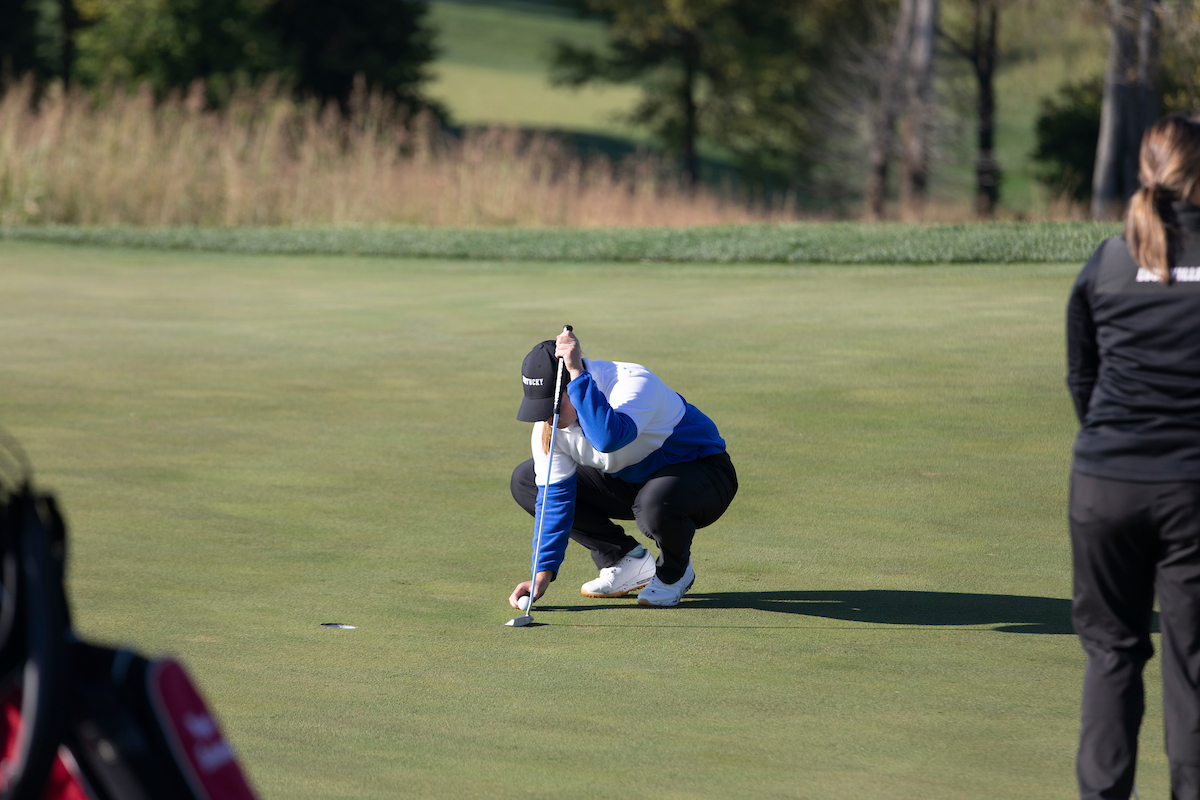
{"points": [[1013, 613], [1009, 613]]}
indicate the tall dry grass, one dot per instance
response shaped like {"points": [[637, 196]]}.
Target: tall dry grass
{"points": [[267, 160]]}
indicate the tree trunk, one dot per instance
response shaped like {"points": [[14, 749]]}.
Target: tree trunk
{"points": [[1147, 75], [920, 104], [987, 171], [1109, 181], [883, 125], [69, 16], [691, 62]]}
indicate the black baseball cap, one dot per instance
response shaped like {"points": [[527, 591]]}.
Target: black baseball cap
{"points": [[538, 374]]}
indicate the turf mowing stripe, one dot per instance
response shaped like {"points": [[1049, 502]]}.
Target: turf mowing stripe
{"points": [[822, 242]]}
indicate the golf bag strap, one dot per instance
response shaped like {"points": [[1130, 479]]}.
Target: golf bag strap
{"points": [[200, 749]]}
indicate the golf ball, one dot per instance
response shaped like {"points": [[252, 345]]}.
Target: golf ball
{"points": [[523, 603]]}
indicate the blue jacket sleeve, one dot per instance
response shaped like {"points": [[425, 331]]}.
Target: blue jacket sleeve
{"points": [[606, 430], [557, 501]]}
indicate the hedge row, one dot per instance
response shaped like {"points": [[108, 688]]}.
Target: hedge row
{"points": [[823, 242]]}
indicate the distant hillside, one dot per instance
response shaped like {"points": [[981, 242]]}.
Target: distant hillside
{"points": [[493, 67]]}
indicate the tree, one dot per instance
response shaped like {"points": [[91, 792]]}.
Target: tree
{"points": [[1069, 124], [906, 86], [914, 187], [981, 53], [171, 43], [737, 73], [36, 38], [1179, 57], [328, 43], [1130, 102], [1066, 130], [70, 23], [18, 38], [319, 46], [887, 110]]}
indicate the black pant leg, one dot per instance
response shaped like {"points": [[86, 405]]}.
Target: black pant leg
{"points": [[1114, 548], [1178, 588], [676, 501], [599, 499]]}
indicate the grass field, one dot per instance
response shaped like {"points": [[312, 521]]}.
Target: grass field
{"points": [[494, 68], [249, 445]]}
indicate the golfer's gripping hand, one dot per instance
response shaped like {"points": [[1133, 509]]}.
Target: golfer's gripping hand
{"points": [[568, 349]]}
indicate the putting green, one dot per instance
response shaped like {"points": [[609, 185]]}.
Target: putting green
{"points": [[249, 446]]}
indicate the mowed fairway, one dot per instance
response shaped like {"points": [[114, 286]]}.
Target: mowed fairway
{"points": [[247, 447]]}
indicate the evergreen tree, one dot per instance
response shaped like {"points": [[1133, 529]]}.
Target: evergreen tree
{"points": [[171, 43], [1067, 127], [738, 73], [328, 43], [318, 45], [33, 38], [18, 38]]}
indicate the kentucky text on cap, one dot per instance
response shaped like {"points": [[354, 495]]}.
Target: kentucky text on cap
{"points": [[537, 378]]}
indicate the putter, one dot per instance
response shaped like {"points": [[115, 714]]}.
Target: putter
{"points": [[521, 622]]}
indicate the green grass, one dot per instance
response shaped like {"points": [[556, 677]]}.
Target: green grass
{"points": [[503, 34], [494, 69], [247, 446], [829, 243], [483, 96]]}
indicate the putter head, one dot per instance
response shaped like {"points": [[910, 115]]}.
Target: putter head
{"points": [[520, 622]]}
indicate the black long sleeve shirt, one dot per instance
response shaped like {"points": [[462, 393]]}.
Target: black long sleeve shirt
{"points": [[1133, 361]]}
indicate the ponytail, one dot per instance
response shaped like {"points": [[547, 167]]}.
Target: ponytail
{"points": [[1168, 169], [1146, 234]]}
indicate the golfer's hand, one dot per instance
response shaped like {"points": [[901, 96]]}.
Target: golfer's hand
{"points": [[568, 349], [543, 581]]}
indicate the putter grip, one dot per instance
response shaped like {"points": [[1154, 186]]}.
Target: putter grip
{"points": [[558, 381]]}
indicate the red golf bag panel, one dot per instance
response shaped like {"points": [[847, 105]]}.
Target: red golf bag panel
{"points": [[199, 747], [11, 723], [65, 781]]}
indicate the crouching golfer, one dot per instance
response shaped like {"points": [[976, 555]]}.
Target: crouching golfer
{"points": [[627, 448], [1133, 350]]}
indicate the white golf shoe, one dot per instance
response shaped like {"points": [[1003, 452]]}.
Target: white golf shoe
{"points": [[658, 593], [628, 575]]}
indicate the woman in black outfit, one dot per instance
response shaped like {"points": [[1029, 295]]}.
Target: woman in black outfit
{"points": [[1133, 357]]}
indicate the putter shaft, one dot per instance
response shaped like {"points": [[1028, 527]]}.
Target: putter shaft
{"points": [[520, 622]]}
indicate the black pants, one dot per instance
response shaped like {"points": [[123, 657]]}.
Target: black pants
{"points": [[668, 508], [1130, 542]]}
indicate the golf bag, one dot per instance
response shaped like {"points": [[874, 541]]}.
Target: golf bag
{"points": [[79, 721]]}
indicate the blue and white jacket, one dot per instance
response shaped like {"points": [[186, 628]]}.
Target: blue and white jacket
{"points": [[630, 425]]}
